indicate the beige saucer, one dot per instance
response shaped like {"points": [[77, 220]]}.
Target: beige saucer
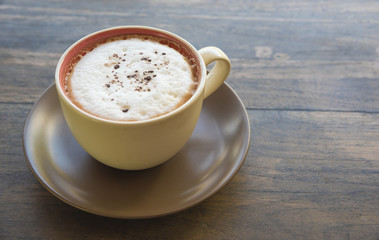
{"points": [[208, 161]]}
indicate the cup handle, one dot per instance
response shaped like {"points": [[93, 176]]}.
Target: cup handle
{"points": [[220, 70]]}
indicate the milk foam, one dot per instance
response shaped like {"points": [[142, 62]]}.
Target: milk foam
{"points": [[132, 79]]}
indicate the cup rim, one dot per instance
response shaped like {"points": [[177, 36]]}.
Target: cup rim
{"points": [[198, 92]]}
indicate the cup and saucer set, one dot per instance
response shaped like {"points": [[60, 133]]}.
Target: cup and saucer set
{"points": [[214, 153]]}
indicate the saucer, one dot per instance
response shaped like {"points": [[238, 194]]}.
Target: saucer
{"points": [[208, 161]]}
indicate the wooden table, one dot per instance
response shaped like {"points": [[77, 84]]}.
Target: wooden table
{"points": [[308, 74]]}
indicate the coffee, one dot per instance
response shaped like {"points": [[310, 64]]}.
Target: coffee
{"points": [[159, 70], [130, 78]]}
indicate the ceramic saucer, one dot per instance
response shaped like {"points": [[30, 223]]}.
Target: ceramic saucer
{"points": [[208, 161]]}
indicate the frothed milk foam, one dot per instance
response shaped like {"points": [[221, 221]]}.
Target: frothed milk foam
{"points": [[130, 78]]}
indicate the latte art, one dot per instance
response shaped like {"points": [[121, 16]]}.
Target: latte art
{"points": [[130, 79]]}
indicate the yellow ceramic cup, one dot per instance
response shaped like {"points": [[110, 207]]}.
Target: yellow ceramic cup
{"points": [[147, 143]]}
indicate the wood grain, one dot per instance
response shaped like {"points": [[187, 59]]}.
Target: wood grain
{"points": [[308, 73]]}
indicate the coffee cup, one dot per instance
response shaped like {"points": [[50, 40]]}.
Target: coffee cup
{"points": [[142, 143]]}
